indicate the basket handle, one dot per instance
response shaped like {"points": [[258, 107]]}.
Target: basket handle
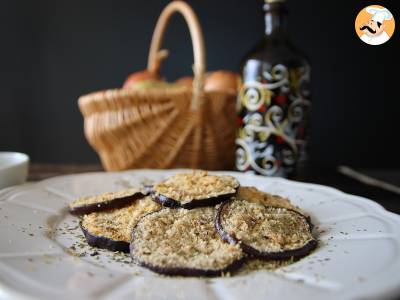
{"points": [[156, 55]]}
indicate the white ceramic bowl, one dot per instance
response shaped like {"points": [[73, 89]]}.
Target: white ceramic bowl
{"points": [[13, 168]]}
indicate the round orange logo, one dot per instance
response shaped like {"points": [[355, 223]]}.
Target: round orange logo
{"points": [[375, 25]]}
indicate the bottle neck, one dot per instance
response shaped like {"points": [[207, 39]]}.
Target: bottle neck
{"points": [[275, 20]]}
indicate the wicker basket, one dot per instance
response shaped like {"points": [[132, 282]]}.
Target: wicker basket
{"points": [[166, 127]]}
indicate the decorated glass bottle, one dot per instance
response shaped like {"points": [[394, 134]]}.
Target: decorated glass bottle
{"points": [[274, 103]]}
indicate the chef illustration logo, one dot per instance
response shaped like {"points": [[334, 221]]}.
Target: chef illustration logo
{"points": [[374, 25]]}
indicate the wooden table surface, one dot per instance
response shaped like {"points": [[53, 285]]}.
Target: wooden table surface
{"points": [[389, 200]]}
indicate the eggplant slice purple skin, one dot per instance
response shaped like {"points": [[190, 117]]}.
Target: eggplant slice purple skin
{"points": [[105, 205], [104, 242], [190, 272], [212, 201], [282, 255]]}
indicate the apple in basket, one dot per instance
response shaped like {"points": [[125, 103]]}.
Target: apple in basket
{"points": [[220, 80]]}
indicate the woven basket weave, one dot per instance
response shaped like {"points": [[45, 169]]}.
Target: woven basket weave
{"points": [[168, 127]]}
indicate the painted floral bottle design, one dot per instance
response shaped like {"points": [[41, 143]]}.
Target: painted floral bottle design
{"points": [[274, 103]]}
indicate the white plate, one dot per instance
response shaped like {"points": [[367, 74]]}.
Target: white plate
{"points": [[358, 256]]}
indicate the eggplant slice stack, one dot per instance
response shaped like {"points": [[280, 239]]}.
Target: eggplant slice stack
{"points": [[197, 189], [183, 242], [104, 201], [112, 229], [196, 224]]}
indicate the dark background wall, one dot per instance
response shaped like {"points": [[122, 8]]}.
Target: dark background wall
{"points": [[53, 51]]}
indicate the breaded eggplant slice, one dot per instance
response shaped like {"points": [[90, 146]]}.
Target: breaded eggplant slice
{"points": [[265, 232], [182, 242], [112, 229], [105, 201], [252, 194], [196, 189]]}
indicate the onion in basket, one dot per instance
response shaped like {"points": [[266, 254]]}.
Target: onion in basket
{"points": [[185, 81], [224, 81], [217, 81]]}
